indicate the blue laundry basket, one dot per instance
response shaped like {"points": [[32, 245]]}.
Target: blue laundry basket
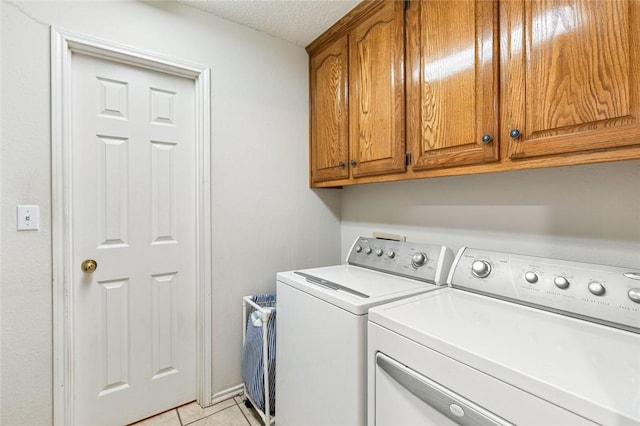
{"points": [[259, 354]]}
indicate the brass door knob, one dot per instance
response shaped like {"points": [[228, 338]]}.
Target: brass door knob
{"points": [[89, 266]]}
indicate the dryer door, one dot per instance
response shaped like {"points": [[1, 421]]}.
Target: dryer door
{"points": [[404, 397]]}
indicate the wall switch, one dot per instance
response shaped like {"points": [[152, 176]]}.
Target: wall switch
{"points": [[28, 218]]}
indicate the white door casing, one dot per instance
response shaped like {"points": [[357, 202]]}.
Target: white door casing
{"points": [[118, 153]]}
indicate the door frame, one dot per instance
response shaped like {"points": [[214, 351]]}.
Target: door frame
{"points": [[64, 45]]}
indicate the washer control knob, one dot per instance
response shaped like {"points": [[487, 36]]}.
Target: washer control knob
{"points": [[391, 254], [419, 259], [596, 288], [358, 249], [481, 268], [634, 294], [367, 250], [379, 252], [531, 277], [561, 282]]}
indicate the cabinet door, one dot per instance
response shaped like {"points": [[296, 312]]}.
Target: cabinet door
{"points": [[570, 79], [376, 98], [452, 82], [329, 112]]}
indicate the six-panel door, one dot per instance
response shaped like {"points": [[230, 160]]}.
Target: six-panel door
{"points": [[134, 212]]}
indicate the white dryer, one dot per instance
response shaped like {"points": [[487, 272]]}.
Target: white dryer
{"points": [[321, 334], [515, 340]]}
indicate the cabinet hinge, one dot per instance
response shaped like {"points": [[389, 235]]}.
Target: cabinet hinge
{"points": [[407, 3], [407, 159]]}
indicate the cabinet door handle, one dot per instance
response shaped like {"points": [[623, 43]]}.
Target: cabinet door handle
{"points": [[514, 133], [342, 164], [486, 138], [353, 162]]}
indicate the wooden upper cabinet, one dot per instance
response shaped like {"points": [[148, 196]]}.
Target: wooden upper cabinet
{"points": [[452, 82], [570, 78], [376, 92], [329, 154], [491, 85]]}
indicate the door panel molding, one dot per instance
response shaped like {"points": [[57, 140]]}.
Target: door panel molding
{"points": [[63, 45]]}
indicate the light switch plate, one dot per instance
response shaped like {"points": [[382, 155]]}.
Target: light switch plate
{"points": [[28, 218]]}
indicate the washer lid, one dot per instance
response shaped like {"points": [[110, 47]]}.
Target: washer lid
{"points": [[590, 369], [353, 288]]}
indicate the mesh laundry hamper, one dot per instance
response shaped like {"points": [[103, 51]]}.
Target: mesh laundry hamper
{"points": [[259, 353]]}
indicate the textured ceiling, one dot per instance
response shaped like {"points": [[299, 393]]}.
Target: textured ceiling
{"points": [[297, 21]]}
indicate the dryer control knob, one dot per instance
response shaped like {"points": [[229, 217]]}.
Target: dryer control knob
{"points": [[358, 249], [481, 268], [367, 250], [561, 282], [419, 259], [379, 252], [391, 254], [634, 294], [596, 288], [531, 277]]}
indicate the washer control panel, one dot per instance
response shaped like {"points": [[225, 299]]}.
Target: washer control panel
{"points": [[424, 262], [605, 294]]}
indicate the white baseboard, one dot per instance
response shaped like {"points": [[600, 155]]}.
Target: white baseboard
{"points": [[226, 394]]}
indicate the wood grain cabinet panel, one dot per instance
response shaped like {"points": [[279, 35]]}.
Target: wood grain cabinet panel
{"points": [[376, 98], [491, 85], [329, 112], [452, 82], [570, 76]]}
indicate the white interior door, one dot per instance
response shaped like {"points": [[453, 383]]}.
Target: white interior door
{"points": [[133, 177]]}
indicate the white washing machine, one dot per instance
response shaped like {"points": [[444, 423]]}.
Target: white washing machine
{"points": [[321, 333], [514, 340]]}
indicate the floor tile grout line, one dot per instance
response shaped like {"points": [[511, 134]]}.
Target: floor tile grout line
{"points": [[241, 396], [212, 414], [243, 414], [182, 422], [243, 400], [179, 417]]}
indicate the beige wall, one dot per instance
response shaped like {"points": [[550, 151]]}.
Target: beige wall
{"points": [[586, 213], [266, 219], [262, 207]]}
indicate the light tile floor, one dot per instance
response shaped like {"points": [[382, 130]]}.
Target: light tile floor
{"points": [[230, 412]]}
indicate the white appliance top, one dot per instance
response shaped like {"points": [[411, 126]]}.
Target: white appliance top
{"points": [[362, 288], [586, 367], [379, 271]]}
